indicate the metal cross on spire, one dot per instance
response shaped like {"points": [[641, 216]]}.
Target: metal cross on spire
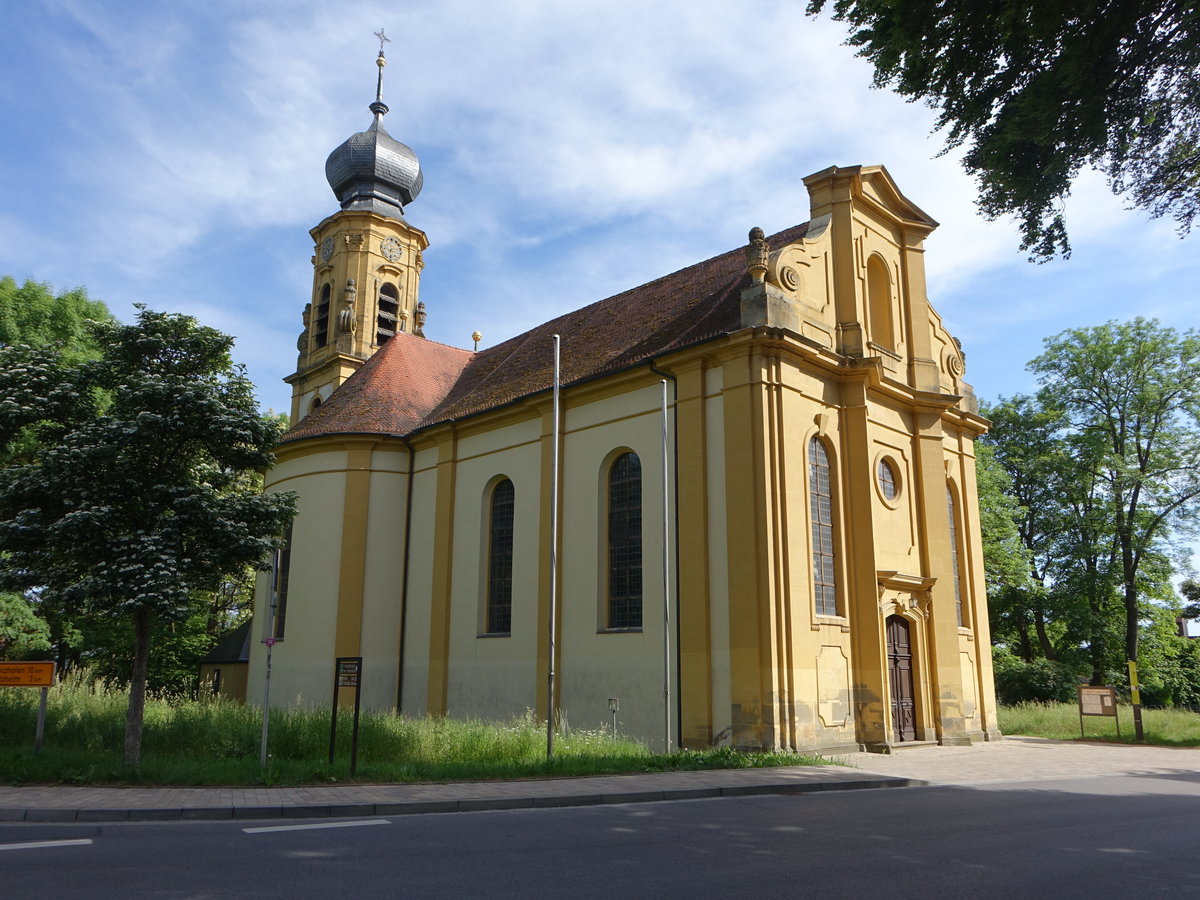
{"points": [[379, 107]]}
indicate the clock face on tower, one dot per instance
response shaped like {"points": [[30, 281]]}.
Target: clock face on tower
{"points": [[326, 249], [391, 248]]}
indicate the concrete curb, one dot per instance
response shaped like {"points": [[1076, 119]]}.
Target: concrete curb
{"points": [[424, 807]]}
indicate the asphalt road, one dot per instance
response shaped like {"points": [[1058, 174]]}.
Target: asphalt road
{"points": [[1116, 836]]}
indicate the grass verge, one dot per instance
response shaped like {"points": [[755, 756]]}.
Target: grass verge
{"points": [[1166, 727], [217, 742]]}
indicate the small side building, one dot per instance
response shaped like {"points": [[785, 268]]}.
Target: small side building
{"points": [[224, 670]]}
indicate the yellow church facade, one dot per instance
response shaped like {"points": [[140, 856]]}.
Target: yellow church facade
{"points": [[797, 565]]}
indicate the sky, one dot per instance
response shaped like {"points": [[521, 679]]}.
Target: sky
{"points": [[173, 154]]}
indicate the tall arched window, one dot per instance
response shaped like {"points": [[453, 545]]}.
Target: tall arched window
{"points": [[386, 317], [283, 568], [879, 301], [500, 559], [625, 542], [820, 500], [952, 512], [321, 322]]}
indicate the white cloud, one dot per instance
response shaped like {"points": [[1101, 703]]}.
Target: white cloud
{"points": [[571, 151]]}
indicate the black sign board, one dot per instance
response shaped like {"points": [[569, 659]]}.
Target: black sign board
{"points": [[347, 672]]}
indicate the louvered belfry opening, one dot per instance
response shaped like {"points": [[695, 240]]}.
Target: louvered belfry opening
{"points": [[387, 316], [321, 325]]}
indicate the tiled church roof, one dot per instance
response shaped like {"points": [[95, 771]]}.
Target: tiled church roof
{"points": [[411, 383], [392, 393]]}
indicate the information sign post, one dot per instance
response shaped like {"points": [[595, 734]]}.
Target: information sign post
{"points": [[1098, 701], [1135, 698], [347, 672], [31, 674]]}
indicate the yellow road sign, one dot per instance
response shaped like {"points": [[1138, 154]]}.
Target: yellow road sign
{"points": [[26, 674]]}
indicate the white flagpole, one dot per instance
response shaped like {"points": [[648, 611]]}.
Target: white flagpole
{"points": [[666, 572], [553, 560]]}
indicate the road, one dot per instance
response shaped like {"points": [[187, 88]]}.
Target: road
{"points": [[1114, 836]]}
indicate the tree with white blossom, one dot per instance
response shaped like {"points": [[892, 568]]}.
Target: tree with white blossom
{"points": [[136, 500]]}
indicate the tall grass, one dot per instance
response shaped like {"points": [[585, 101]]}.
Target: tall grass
{"points": [[1170, 727], [217, 742]]}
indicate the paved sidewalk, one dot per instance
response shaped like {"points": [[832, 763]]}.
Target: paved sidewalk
{"points": [[1027, 758], [1012, 759]]}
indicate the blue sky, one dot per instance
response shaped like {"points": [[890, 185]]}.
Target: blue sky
{"points": [[173, 154]]}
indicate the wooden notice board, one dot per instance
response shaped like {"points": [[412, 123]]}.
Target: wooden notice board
{"points": [[26, 674], [1098, 701]]}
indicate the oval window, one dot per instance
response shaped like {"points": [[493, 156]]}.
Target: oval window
{"points": [[887, 480]]}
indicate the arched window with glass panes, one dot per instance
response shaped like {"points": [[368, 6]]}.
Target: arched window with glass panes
{"points": [[820, 497], [955, 561], [625, 543], [498, 616]]}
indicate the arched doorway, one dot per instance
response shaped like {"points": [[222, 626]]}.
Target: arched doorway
{"points": [[900, 679]]}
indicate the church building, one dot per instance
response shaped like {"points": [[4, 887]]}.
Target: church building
{"points": [[758, 494]]}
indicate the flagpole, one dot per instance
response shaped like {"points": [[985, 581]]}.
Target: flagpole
{"points": [[269, 642], [553, 559], [666, 572]]}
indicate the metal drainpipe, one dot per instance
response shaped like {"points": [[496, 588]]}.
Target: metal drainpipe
{"points": [[675, 502], [404, 582]]}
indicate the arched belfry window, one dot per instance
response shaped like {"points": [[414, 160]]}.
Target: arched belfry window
{"points": [[321, 323], [879, 304], [386, 317], [500, 559], [820, 499], [955, 562], [625, 542]]}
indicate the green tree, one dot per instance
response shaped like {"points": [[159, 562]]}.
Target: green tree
{"points": [[33, 314], [22, 634], [1191, 595], [133, 506], [1006, 560], [1131, 392], [1037, 89], [1023, 445]]}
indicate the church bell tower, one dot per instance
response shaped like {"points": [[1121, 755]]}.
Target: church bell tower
{"points": [[366, 262]]}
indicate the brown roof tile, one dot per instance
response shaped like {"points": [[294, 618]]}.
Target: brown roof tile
{"points": [[391, 394], [412, 383]]}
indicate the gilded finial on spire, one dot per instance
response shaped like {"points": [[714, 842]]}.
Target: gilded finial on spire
{"points": [[379, 107]]}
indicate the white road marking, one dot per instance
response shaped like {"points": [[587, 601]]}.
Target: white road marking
{"points": [[38, 845], [318, 825]]}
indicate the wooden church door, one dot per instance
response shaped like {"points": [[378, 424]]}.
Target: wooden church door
{"points": [[900, 677]]}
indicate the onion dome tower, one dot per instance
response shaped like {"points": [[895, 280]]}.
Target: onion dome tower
{"points": [[372, 170], [366, 262]]}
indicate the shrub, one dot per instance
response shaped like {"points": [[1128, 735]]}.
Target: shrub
{"points": [[1040, 681]]}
